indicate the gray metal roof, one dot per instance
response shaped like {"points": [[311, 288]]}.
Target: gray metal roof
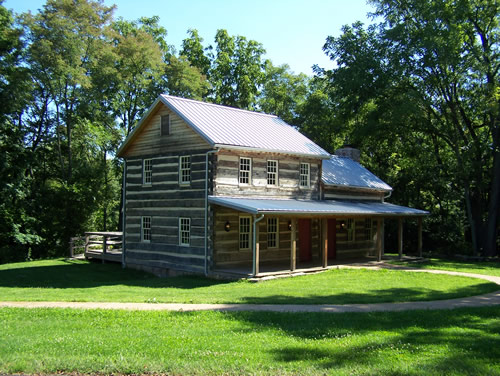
{"points": [[343, 171], [314, 207], [231, 127]]}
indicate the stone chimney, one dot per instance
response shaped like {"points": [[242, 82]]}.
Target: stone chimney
{"points": [[349, 152]]}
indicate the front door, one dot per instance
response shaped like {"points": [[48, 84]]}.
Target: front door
{"points": [[305, 253], [332, 239]]}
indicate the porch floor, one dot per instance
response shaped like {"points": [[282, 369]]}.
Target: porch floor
{"points": [[269, 270]]}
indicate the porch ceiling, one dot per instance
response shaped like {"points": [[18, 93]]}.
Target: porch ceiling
{"points": [[315, 207]]}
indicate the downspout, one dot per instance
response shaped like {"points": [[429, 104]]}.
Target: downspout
{"points": [[124, 217], [389, 195], [254, 243], [206, 207]]}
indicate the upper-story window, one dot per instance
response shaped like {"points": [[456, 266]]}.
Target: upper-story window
{"points": [[245, 176], [272, 172], [184, 169], [165, 125], [147, 171], [305, 175]]}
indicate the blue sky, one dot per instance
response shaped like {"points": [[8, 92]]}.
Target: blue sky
{"points": [[292, 31]]}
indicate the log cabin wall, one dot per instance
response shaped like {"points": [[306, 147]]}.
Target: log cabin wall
{"points": [[227, 176], [165, 199], [226, 243], [363, 242], [331, 193]]}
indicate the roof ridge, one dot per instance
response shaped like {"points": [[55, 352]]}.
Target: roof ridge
{"points": [[221, 105]]}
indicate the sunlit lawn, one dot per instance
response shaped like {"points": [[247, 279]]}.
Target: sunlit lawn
{"points": [[457, 342], [62, 280], [488, 268]]}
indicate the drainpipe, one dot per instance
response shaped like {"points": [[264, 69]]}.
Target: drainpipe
{"points": [[388, 195], [254, 243], [206, 207], [124, 217]]}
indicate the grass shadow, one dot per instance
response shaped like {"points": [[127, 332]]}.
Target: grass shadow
{"points": [[80, 274]]}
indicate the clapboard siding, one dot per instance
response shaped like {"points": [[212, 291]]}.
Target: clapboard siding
{"points": [[149, 141], [331, 193], [227, 171]]}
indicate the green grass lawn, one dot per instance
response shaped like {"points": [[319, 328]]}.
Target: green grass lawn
{"points": [[488, 268], [457, 342], [64, 280]]}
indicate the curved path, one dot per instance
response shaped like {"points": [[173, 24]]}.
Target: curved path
{"points": [[473, 301]]}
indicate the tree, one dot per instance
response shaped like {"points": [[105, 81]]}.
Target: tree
{"points": [[282, 91], [185, 80], [429, 73], [194, 52], [237, 70]]}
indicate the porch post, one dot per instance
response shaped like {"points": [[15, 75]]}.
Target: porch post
{"points": [[420, 236], [293, 247], [324, 237], [379, 239], [400, 237], [257, 250]]}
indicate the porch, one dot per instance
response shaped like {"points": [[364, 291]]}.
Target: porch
{"points": [[104, 246], [311, 231]]}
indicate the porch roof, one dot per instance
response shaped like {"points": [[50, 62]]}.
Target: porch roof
{"points": [[315, 207]]}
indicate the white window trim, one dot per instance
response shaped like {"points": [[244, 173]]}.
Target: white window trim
{"points": [[308, 175], [181, 169], [249, 172], [142, 229], [249, 232], [144, 182], [181, 231], [277, 233], [277, 173]]}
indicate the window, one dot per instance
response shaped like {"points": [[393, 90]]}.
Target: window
{"points": [[147, 171], [244, 232], [185, 169], [272, 172], [184, 231], [165, 125], [272, 232], [351, 229], [369, 227], [245, 170], [304, 175], [146, 229]]}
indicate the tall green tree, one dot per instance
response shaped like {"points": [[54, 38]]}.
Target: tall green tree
{"points": [[197, 55], [429, 73], [282, 91]]}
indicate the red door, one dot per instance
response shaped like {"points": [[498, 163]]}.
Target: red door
{"points": [[305, 253], [332, 239]]}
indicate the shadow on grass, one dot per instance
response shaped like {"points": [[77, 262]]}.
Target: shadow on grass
{"points": [[389, 295], [78, 274], [461, 341]]}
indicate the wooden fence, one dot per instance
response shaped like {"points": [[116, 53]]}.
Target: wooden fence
{"points": [[106, 246]]}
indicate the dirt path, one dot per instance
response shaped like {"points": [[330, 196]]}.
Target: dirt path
{"points": [[473, 301]]}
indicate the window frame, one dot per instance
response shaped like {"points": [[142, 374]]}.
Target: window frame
{"points": [[249, 171], [275, 233], [350, 228], [275, 173], [146, 230], [249, 233], [308, 175], [183, 231], [182, 170], [147, 174], [162, 125], [369, 230]]}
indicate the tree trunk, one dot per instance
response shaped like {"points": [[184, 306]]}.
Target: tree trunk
{"points": [[490, 241]]}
